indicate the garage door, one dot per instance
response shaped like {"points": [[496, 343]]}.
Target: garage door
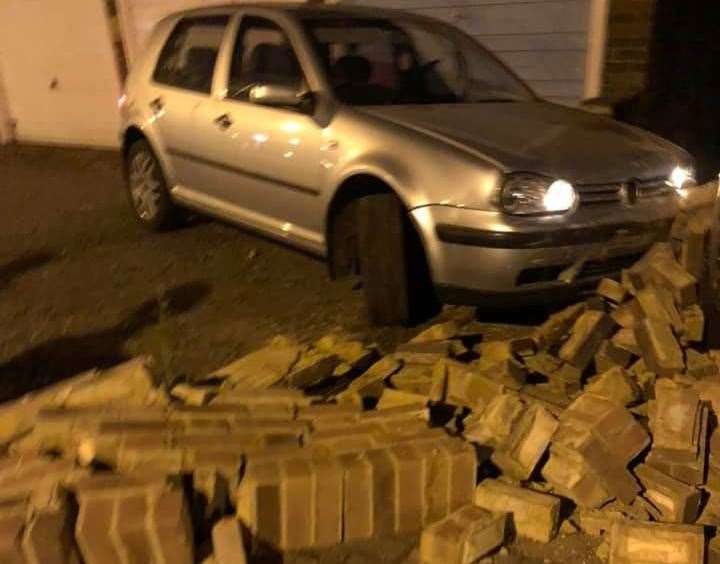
{"points": [[543, 41], [59, 71]]}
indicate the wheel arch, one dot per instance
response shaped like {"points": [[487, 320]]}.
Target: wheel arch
{"points": [[339, 224]]}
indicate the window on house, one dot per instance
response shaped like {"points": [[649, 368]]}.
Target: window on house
{"points": [[188, 58]]}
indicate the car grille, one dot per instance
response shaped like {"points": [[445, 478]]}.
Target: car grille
{"points": [[593, 194]]}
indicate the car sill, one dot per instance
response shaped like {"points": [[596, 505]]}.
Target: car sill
{"points": [[279, 230]]}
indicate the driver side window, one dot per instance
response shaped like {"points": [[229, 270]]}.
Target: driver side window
{"points": [[262, 55]]}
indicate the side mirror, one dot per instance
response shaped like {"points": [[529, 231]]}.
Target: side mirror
{"points": [[277, 95]]}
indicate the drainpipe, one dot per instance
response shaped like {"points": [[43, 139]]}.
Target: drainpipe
{"points": [[596, 46]]}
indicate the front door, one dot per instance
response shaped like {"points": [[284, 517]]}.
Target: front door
{"points": [[263, 166]]}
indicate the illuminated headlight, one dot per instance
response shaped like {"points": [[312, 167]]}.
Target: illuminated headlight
{"points": [[529, 194], [682, 177]]}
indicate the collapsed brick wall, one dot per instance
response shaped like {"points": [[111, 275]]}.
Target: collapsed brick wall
{"points": [[629, 35]]}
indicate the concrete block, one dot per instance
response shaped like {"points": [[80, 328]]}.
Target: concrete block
{"points": [[312, 368], [438, 332], [588, 332], [612, 290], [713, 551], [384, 491], [463, 537], [358, 500], [227, 539], [394, 398], [633, 542], [558, 325], [656, 302], [626, 339], [660, 349], [533, 515], [12, 521], [693, 319], [410, 507], [544, 364], [669, 273], [328, 488], [673, 501], [424, 352], [609, 356], [700, 365], [354, 354], [414, 378], [48, 537], [674, 418], [616, 385], [194, 395], [692, 250], [627, 315], [521, 453], [259, 500], [296, 504], [262, 368]]}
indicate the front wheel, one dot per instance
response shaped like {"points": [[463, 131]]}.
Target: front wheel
{"points": [[147, 189], [398, 287]]}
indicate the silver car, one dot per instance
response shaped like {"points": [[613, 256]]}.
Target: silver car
{"points": [[393, 145]]}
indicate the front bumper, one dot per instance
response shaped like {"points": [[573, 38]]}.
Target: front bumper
{"points": [[475, 253]]}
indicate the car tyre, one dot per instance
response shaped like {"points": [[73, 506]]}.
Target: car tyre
{"points": [[396, 279], [147, 189]]}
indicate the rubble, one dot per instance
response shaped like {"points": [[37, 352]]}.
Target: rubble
{"points": [[462, 441]]}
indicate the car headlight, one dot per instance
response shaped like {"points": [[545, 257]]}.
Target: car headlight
{"points": [[682, 177], [530, 194]]}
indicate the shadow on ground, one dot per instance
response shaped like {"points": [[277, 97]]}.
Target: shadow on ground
{"points": [[22, 264], [62, 357]]}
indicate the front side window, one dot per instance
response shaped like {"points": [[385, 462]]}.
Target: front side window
{"points": [[408, 61], [188, 58], [262, 55]]}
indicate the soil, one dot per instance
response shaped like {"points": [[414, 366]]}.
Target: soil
{"points": [[83, 285]]}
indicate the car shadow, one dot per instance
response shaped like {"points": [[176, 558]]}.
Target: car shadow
{"points": [[22, 264], [63, 357]]}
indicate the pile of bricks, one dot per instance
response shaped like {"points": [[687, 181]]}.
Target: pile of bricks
{"points": [[602, 421]]}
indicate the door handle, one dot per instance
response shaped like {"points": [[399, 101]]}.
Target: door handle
{"points": [[157, 105], [224, 121]]}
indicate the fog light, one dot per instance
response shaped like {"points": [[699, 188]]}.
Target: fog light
{"points": [[560, 196]]}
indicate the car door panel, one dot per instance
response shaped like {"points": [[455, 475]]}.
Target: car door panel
{"points": [[264, 163]]}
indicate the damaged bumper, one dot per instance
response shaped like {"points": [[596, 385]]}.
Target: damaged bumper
{"points": [[474, 254]]}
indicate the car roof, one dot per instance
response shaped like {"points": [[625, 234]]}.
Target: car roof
{"points": [[303, 9]]}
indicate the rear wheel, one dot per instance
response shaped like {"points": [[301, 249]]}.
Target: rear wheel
{"points": [[147, 189], [398, 288]]}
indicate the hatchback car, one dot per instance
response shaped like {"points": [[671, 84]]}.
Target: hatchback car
{"points": [[393, 145]]}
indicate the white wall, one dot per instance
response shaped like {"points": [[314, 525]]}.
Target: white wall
{"points": [[60, 71], [5, 129]]}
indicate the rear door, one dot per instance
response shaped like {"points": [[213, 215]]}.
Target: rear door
{"points": [[181, 83]]}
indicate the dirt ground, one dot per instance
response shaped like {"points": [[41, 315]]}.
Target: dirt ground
{"points": [[82, 285]]}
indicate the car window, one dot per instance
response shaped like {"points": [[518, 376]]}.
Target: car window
{"points": [[371, 61], [188, 58], [262, 55]]}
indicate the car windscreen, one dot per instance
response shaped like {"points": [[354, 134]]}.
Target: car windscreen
{"points": [[384, 61]]}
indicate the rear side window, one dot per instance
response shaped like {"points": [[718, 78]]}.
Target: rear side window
{"points": [[188, 58]]}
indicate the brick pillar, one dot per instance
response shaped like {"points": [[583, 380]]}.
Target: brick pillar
{"points": [[629, 35]]}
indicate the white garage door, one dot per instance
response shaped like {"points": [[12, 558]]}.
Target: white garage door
{"points": [[59, 71], [543, 41]]}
